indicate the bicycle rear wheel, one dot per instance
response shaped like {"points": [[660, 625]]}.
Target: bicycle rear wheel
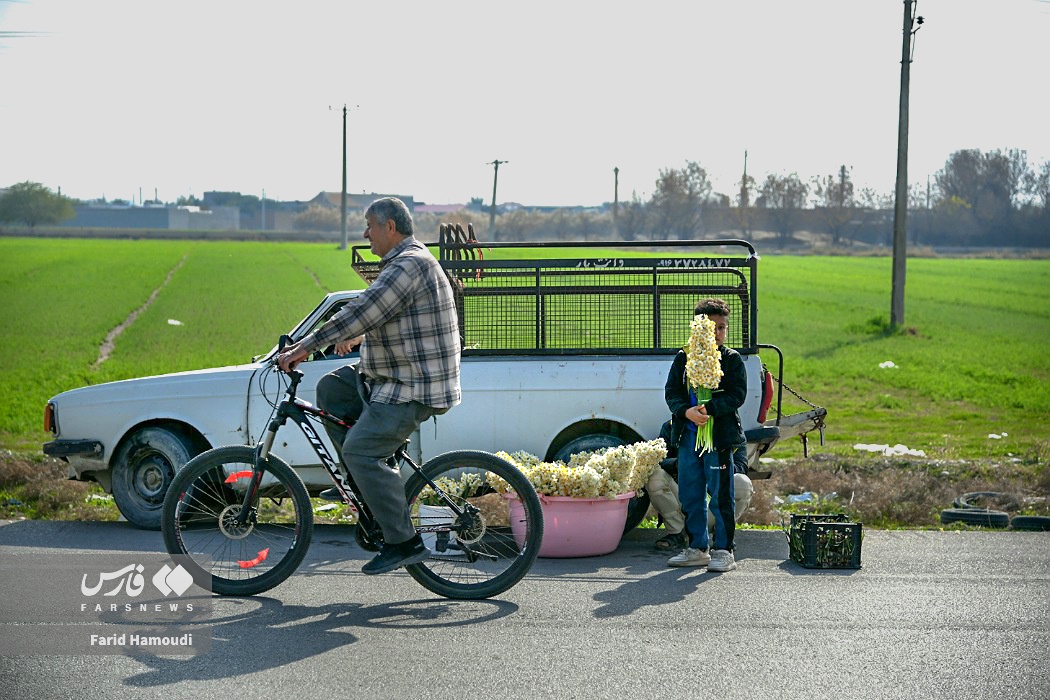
{"points": [[492, 544], [200, 512]]}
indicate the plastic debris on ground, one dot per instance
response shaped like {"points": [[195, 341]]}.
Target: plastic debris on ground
{"points": [[887, 451], [888, 364]]}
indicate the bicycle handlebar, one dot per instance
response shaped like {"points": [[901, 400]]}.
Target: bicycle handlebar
{"points": [[295, 374]]}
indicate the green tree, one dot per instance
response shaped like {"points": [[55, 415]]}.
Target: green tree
{"points": [[991, 184], [249, 204], [32, 203]]}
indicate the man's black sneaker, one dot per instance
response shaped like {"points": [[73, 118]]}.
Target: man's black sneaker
{"points": [[394, 556], [331, 494]]}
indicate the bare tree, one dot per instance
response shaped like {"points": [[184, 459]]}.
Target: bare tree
{"points": [[835, 202], [784, 196], [317, 218], [1041, 185], [743, 208], [873, 209], [632, 219], [677, 203], [518, 225]]}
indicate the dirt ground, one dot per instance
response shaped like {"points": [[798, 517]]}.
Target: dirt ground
{"points": [[881, 492]]}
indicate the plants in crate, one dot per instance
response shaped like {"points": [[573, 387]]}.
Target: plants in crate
{"points": [[825, 541]]}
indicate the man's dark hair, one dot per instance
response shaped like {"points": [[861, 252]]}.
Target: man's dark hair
{"points": [[391, 208], [712, 307]]}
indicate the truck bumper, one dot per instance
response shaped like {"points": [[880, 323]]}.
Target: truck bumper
{"points": [[91, 449]]}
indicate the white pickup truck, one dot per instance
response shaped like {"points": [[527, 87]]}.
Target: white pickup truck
{"points": [[561, 355]]}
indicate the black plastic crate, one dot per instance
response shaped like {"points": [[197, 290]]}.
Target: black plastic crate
{"points": [[825, 541]]}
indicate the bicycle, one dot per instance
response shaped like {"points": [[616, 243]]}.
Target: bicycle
{"points": [[243, 516]]}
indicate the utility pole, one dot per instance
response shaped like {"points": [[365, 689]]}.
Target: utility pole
{"points": [[744, 203], [900, 208], [262, 227], [492, 211], [616, 201], [342, 199]]}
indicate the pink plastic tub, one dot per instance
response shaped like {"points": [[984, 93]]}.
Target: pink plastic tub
{"points": [[576, 527]]}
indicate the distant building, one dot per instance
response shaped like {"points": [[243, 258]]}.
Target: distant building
{"points": [[155, 217], [357, 202], [211, 216], [439, 208]]}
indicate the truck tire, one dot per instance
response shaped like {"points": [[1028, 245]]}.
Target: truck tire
{"points": [[975, 516], [143, 469], [587, 443], [637, 507]]}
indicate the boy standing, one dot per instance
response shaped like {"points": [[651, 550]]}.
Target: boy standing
{"points": [[709, 473]]}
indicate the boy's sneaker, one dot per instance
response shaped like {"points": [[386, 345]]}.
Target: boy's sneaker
{"points": [[722, 560], [690, 557]]}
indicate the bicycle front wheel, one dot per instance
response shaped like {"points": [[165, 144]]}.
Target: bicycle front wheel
{"points": [[491, 543], [200, 520]]}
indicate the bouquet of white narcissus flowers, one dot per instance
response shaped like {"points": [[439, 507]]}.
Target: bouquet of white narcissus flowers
{"points": [[703, 370], [604, 473]]}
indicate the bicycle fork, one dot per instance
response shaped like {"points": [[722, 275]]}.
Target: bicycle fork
{"points": [[262, 453]]}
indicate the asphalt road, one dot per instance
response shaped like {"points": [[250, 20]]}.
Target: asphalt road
{"points": [[930, 615]]}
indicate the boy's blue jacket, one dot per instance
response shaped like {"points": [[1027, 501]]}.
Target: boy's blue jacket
{"points": [[723, 406]]}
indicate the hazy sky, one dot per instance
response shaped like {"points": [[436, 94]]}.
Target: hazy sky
{"points": [[107, 97]]}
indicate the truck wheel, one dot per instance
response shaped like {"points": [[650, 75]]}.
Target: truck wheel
{"points": [[637, 509], [587, 443], [142, 470], [638, 506]]}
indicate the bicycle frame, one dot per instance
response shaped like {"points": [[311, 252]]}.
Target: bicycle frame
{"points": [[300, 411]]}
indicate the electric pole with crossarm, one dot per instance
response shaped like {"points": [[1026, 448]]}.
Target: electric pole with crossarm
{"points": [[492, 209]]}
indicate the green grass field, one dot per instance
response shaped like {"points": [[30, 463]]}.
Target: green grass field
{"points": [[972, 362]]}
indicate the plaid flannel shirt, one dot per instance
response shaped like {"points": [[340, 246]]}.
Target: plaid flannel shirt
{"points": [[408, 316]]}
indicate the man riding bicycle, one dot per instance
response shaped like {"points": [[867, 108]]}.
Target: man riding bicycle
{"points": [[408, 372]]}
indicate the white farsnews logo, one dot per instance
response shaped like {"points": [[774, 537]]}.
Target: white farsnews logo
{"points": [[166, 580], [169, 580]]}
